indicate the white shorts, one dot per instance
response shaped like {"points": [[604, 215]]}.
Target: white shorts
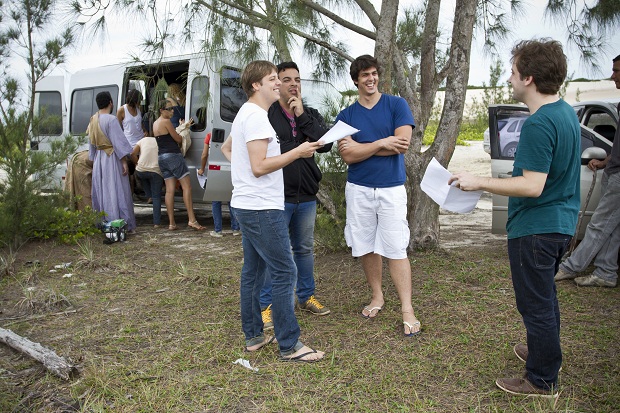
{"points": [[377, 221]]}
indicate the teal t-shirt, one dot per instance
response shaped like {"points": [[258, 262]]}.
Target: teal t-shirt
{"points": [[550, 142]]}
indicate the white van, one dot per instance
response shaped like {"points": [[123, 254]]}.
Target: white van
{"points": [[213, 97]]}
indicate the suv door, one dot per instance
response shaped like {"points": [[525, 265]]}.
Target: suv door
{"points": [[592, 146]]}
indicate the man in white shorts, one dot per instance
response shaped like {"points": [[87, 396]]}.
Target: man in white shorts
{"points": [[376, 198]]}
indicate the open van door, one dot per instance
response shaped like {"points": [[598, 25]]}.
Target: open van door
{"points": [[593, 146], [50, 109], [230, 98]]}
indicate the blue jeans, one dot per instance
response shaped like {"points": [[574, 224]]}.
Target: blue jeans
{"points": [[152, 184], [602, 238], [216, 209], [534, 260], [267, 250], [300, 220]]}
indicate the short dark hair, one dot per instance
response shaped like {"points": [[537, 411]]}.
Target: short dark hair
{"points": [[362, 63], [287, 65], [133, 97], [255, 72], [544, 60], [103, 99], [616, 59]]}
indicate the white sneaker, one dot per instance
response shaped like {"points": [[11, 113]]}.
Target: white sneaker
{"points": [[564, 275], [594, 281], [216, 234], [236, 232]]}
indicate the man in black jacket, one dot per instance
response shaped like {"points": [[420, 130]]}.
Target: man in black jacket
{"points": [[295, 123]]}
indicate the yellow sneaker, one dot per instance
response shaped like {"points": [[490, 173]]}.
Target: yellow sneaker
{"points": [[314, 306], [267, 320]]}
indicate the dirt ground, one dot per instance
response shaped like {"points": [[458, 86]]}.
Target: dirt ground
{"points": [[473, 229]]}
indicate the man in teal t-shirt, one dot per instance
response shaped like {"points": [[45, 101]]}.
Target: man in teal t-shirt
{"points": [[542, 209]]}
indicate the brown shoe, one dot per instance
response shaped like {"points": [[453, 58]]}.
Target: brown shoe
{"points": [[523, 387], [521, 351]]}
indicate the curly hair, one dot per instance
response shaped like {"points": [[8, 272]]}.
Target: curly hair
{"points": [[544, 60]]}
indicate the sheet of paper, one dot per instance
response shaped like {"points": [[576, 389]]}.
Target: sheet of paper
{"points": [[338, 131], [202, 179], [435, 184]]}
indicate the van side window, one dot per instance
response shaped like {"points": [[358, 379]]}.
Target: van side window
{"points": [[83, 106], [232, 95], [199, 103], [48, 108]]}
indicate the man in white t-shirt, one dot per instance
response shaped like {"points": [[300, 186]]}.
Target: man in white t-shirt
{"points": [[258, 203]]}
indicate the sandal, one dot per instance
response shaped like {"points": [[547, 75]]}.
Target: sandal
{"points": [[267, 340], [172, 228], [195, 225], [303, 357], [370, 311], [411, 327]]}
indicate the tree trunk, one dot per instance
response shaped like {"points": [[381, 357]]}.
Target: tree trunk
{"points": [[423, 214], [385, 44], [52, 362]]}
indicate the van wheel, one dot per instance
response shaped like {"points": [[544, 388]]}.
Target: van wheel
{"points": [[510, 150]]}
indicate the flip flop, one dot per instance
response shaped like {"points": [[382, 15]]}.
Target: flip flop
{"points": [[300, 358], [370, 310], [271, 339], [172, 228], [410, 326]]}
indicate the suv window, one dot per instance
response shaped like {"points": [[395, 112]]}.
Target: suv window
{"points": [[232, 95], [83, 106]]}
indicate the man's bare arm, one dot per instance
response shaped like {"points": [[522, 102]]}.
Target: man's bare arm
{"points": [[529, 185]]}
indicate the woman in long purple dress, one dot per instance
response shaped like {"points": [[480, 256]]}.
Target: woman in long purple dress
{"points": [[109, 150]]}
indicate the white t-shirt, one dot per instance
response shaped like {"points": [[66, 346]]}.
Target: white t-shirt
{"points": [[250, 192], [132, 126]]}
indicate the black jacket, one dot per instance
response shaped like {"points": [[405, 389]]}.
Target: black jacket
{"points": [[302, 176]]}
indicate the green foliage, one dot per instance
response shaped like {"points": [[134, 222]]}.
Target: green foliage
{"points": [[23, 207], [469, 131], [67, 225]]}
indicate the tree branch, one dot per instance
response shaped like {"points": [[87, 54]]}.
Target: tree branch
{"points": [[370, 11], [337, 19], [266, 26]]}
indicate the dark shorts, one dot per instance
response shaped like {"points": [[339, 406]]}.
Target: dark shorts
{"points": [[172, 165]]}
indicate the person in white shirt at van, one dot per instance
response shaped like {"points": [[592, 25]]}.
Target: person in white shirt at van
{"points": [[130, 118]]}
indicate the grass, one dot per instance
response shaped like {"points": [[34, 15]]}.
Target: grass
{"points": [[157, 329]]}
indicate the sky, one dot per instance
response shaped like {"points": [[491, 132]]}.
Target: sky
{"points": [[123, 39]]}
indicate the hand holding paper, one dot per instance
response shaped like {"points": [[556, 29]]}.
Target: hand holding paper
{"points": [[435, 184], [338, 131]]}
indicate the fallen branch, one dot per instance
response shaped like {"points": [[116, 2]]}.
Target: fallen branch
{"points": [[52, 362]]}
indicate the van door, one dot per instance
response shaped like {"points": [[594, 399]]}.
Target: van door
{"points": [[502, 163], [228, 99]]}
